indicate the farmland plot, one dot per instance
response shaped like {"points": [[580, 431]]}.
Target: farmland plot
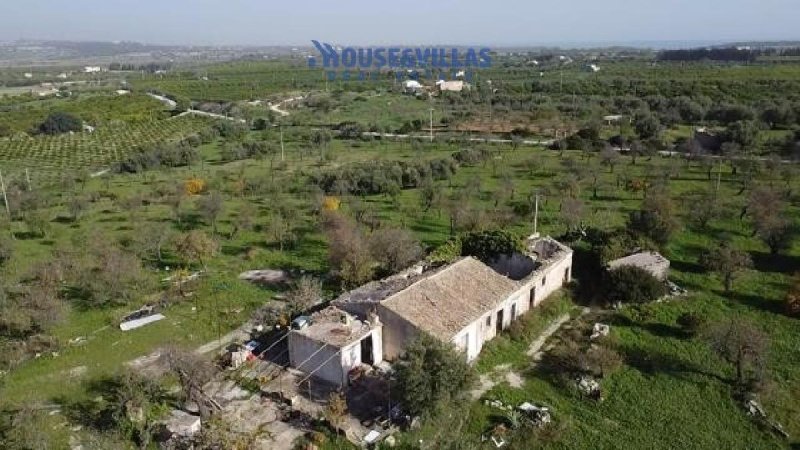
{"points": [[48, 156]]}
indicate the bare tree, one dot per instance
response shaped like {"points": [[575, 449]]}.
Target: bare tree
{"points": [[336, 411], [195, 246], [394, 248], [742, 344], [210, 207], [306, 292], [151, 238], [572, 213], [726, 261], [349, 253], [602, 360], [193, 371], [609, 157]]}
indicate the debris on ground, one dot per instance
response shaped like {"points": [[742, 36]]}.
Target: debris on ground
{"points": [[590, 387], [754, 409], [265, 276], [181, 423], [675, 290], [538, 415], [139, 318], [600, 330], [80, 340]]}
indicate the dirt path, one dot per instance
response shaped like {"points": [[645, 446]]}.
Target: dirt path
{"points": [[549, 331], [503, 372], [277, 106]]}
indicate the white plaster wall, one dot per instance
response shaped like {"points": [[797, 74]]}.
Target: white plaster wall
{"points": [[397, 332], [546, 284], [302, 348], [336, 370]]}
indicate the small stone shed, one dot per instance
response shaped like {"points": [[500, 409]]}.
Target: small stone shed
{"points": [[652, 262]]}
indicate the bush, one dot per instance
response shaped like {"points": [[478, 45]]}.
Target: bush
{"points": [[488, 245], [430, 372], [60, 122], [6, 251], [691, 323], [631, 284]]}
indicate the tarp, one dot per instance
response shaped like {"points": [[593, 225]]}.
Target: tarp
{"points": [[133, 324]]}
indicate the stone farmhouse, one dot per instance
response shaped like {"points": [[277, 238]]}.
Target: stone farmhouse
{"points": [[466, 303]]}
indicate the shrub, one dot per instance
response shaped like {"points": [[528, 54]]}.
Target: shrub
{"points": [[691, 323], [793, 297], [330, 203], [430, 372], [631, 284], [195, 186], [60, 122], [488, 245]]}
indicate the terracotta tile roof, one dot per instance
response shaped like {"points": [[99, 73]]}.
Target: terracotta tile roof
{"points": [[448, 300]]}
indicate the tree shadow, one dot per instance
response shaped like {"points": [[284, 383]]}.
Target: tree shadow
{"points": [[754, 301], [652, 363], [89, 411], [27, 235], [588, 273], [686, 267], [766, 262]]}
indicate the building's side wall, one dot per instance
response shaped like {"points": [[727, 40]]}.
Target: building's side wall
{"points": [[483, 330], [551, 279], [397, 333], [302, 348]]}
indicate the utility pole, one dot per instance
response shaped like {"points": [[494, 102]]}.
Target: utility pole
{"points": [[5, 196], [536, 216], [282, 154], [431, 129]]}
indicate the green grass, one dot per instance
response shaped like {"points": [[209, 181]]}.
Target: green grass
{"points": [[646, 408]]}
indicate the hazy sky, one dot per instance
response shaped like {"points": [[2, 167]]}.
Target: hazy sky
{"points": [[493, 23]]}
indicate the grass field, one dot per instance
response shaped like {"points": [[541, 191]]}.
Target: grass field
{"points": [[643, 401], [672, 391]]}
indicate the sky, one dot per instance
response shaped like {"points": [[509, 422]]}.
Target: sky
{"points": [[365, 22]]}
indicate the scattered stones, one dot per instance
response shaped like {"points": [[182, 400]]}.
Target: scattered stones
{"points": [[590, 387], [675, 290], [265, 276], [514, 379], [77, 372], [539, 415], [600, 330], [80, 340], [754, 409]]}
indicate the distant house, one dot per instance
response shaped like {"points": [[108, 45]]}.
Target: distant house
{"points": [[707, 140], [412, 87], [451, 86], [594, 68], [92, 69], [652, 262], [27, 75], [610, 119]]}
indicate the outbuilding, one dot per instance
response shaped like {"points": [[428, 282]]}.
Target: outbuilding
{"points": [[652, 262]]}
